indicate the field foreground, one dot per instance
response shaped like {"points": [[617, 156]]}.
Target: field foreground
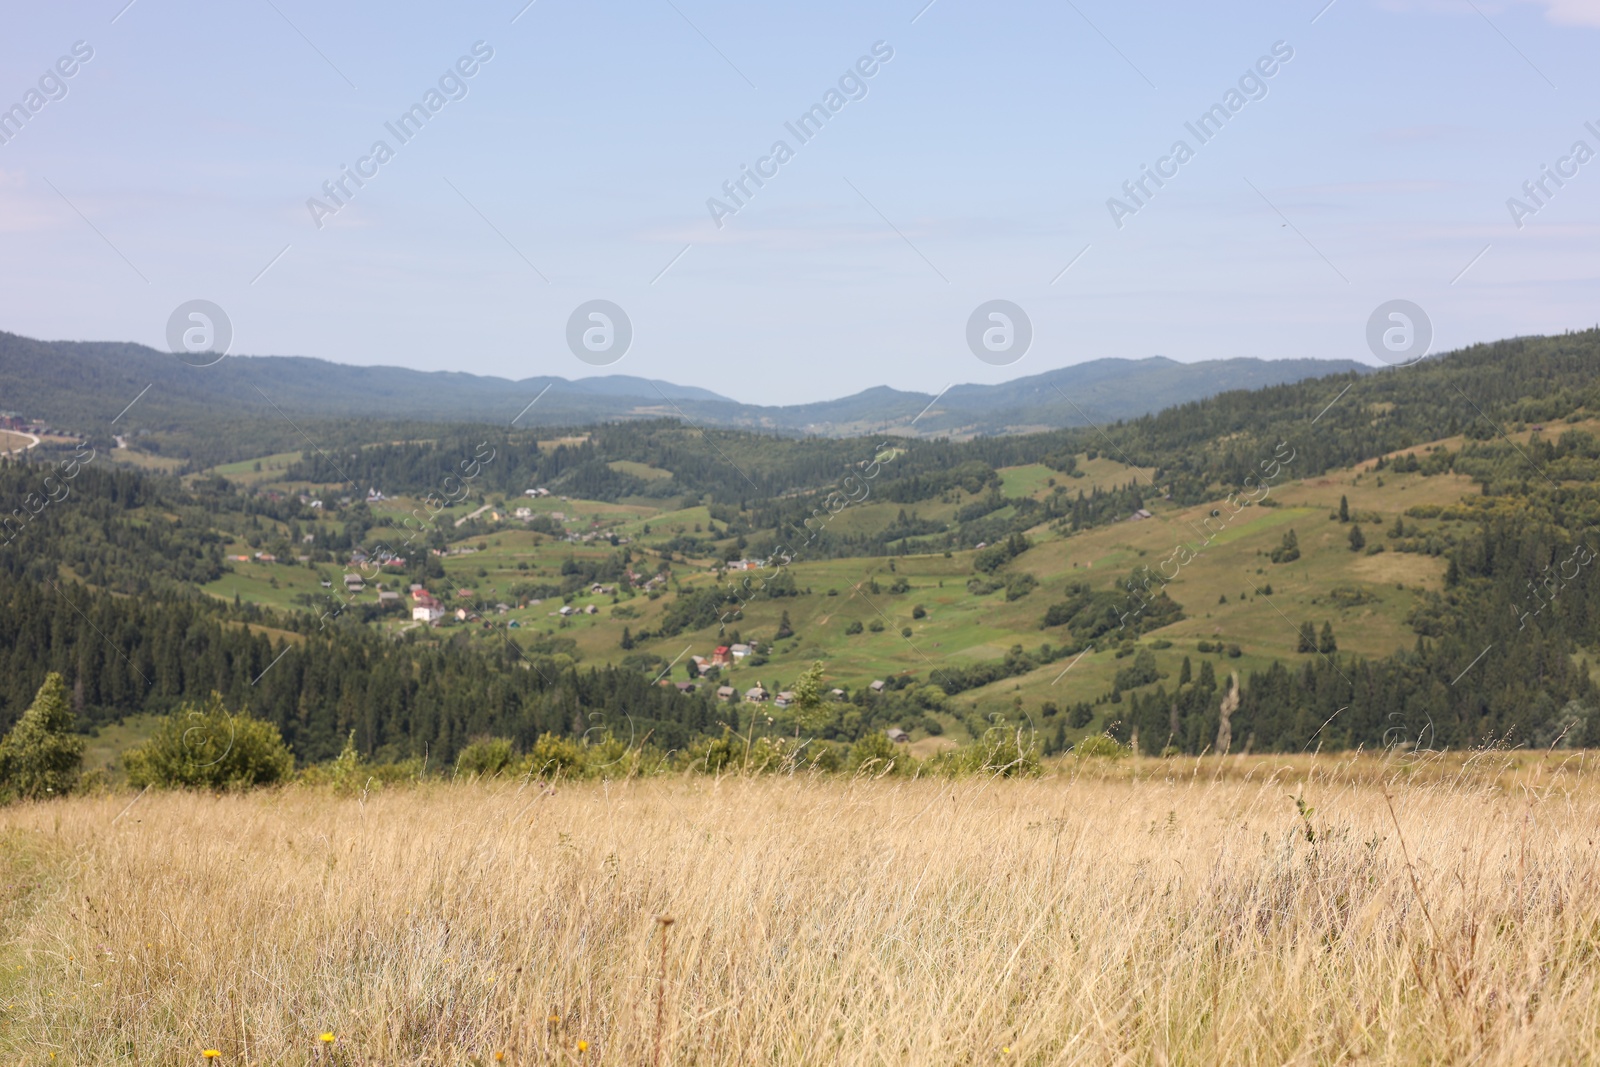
{"points": [[1150, 912]]}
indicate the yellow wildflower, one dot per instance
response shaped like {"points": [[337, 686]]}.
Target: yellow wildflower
{"points": [[210, 1053]]}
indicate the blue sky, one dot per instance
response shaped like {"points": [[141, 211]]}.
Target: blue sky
{"points": [[977, 165]]}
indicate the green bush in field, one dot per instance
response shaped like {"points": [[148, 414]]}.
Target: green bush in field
{"points": [[1102, 746], [730, 754], [486, 757], [1004, 750], [874, 755], [209, 747], [41, 756]]}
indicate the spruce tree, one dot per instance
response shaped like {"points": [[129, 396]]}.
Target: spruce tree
{"points": [[1358, 540], [1344, 509], [1327, 644], [1308, 638], [41, 756]]}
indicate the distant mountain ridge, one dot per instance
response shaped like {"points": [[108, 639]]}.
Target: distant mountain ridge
{"points": [[79, 384]]}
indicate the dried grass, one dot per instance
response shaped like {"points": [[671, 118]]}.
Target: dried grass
{"points": [[1162, 912]]}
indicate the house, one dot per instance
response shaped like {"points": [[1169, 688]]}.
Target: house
{"points": [[726, 692], [685, 687], [877, 685], [701, 664], [354, 583], [388, 598], [502, 608], [429, 612], [720, 657], [1139, 515], [601, 590], [757, 694], [897, 735], [739, 651], [266, 557], [837, 694], [590, 609], [326, 584], [785, 698], [523, 513], [567, 609], [461, 614]]}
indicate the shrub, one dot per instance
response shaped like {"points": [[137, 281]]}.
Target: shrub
{"points": [[874, 754], [486, 757], [855, 627], [1002, 750], [210, 747], [1099, 746], [41, 756]]}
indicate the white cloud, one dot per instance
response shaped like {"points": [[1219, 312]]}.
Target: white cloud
{"points": [[1571, 12]]}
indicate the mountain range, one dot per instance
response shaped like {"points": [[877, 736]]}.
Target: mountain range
{"points": [[82, 384]]}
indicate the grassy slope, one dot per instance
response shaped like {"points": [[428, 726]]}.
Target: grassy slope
{"points": [[960, 627]]}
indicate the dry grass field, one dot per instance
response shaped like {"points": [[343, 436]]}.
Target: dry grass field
{"points": [[1141, 911]]}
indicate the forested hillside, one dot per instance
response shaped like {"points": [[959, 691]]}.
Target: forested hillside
{"points": [[1395, 558]]}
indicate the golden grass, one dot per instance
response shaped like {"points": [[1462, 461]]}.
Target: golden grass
{"points": [[1143, 911]]}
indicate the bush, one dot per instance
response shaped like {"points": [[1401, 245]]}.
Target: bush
{"points": [[1099, 746], [1002, 750], [486, 757], [41, 756], [855, 627], [209, 747], [874, 754]]}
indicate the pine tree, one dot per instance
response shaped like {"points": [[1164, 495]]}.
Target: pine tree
{"points": [[1344, 509], [1308, 638], [41, 756], [1327, 644], [1358, 541], [627, 638], [1185, 673], [784, 629]]}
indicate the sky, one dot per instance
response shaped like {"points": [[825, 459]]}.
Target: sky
{"points": [[984, 158]]}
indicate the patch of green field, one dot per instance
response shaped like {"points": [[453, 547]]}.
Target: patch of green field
{"points": [[639, 470], [258, 470], [1031, 480], [104, 749]]}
